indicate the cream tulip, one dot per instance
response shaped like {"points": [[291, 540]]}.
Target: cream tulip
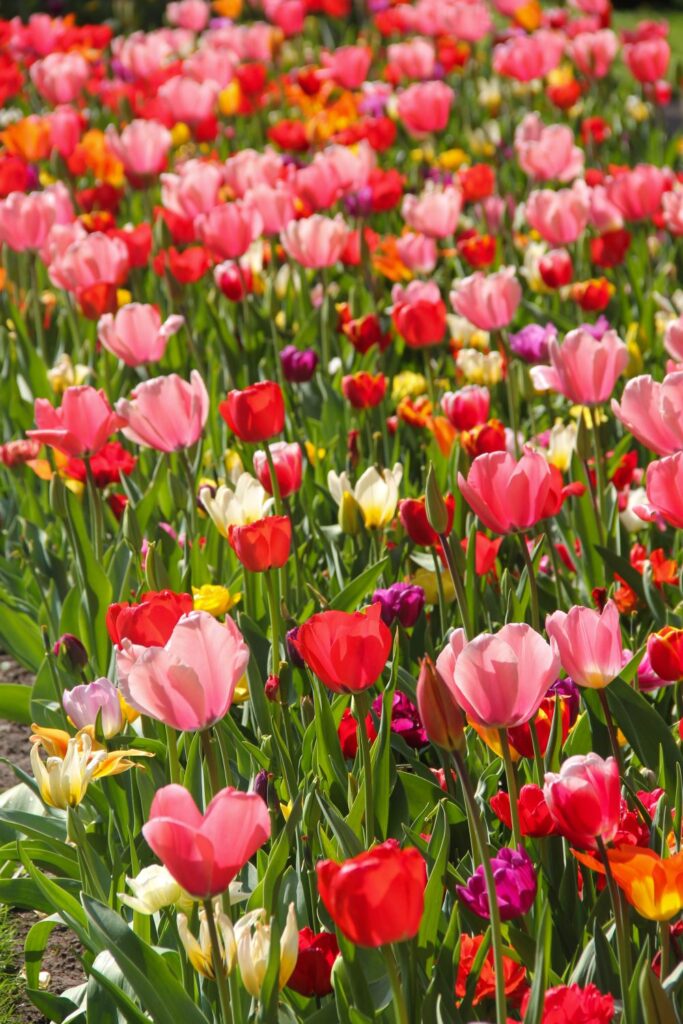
{"points": [[375, 493], [247, 503], [198, 950], [252, 936]]}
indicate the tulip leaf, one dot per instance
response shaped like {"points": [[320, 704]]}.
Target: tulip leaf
{"points": [[539, 984], [656, 1005], [19, 634], [645, 730], [15, 703], [35, 944], [55, 1008], [439, 845], [125, 1004], [159, 991], [357, 591]]}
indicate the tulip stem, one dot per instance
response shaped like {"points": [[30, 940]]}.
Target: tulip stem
{"points": [[274, 483], [623, 954], [442, 596], [479, 830], [665, 944], [272, 590], [172, 750], [533, 585], [361, 710], [218, 968], [599, 474], [512, 786], [211, 762], [614, 742], [457, 584], [400, 1008], [95, 510]]}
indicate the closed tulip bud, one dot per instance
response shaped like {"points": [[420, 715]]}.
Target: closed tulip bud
{"points": [[84, 704], [437, 511], [72, 649], [153, 889], [253, 937], [350, 517], [441, 716]]}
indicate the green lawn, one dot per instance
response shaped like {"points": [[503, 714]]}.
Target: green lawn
{"points": [[628, 19]]}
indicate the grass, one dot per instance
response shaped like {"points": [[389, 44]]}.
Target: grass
{"points": [[10, 982], [660, 12]]}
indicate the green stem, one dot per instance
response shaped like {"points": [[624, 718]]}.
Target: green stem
{"points": [[218, 968], [457, 584], [614, 742], [211, 762], [95, 510], [173, 759], [623, 952], [538, 756], [601, 484], [442, 596], [400, 1008], [361, 708], [494, 912], [272, 590], [665, 943], [512, 786], [37, 313], [533, 585], [274, 481]]}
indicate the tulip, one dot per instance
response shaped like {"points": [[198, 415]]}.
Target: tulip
{"points": [[534, 816], [561, 216], [443, 720], [74, 651], [507, 494], [425, 107], [400, 601], [199, 951], [253, 939], [26, 220], [515, 881], [653, 411], [348, 65], [547, 153], [81, 426], [312, 975], [84, 704], [651, 883], [153, 889], [189, 682], [556, 268], [229, 228], [135, 333], [315, 241], [376, 493], [288, 463], [346, 651], [255, 413], [142, 147], [364, 390], [96, 259], [435, 213], [637, 193], [526, 57], [413, 515], [72, 765], [166, 413], [275, 206], [187, 100], [589, 643], [151, 621], [419, 313], [190, 14], [377, 897], [298, 366], [672, 209], [593, 52], [574, 1003], [584, 799], [264, 544], [417, 251], [648, 59], [499, 679], [665, 653], [204, 852], [59, 77], [468, 407], [583, 369], [664, 485], [489, 301], [415, 58], [247, 503]]}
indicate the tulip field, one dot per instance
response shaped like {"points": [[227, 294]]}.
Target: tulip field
{"points": [[341, 499]]}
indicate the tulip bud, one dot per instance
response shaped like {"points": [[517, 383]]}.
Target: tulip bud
{"points": [[350, 518], [441, 716], [84, 704], [73, 650], [437, 512], [153, 889], [253, 936]]}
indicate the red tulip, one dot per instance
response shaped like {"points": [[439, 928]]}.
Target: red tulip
{"points": [[264, 544], [413, 515], [584, 799], [288, 463], [377, 897], [665, 650], [534, 816], [150, 622], [313, 971], [347, 651], [364, 390], [256, 413]]}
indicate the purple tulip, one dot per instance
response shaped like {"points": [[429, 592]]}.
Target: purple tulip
{"points": [[405, 720], [516, 885], [73, 650], [292, 649], [359, 204], [298, 365], [531, 343], [402, 601], [568, 689], [598, 328]]}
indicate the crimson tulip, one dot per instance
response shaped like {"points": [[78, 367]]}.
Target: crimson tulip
{"points": [[256, 413], [149, 622], [264, 544], [347, 651], [313, 972]]}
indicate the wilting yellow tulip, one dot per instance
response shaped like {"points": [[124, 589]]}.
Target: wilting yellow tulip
{"points": [[252, 935], [199, 950]]}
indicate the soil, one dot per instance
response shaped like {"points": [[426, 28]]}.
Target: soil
{"points": [[61, 958]]}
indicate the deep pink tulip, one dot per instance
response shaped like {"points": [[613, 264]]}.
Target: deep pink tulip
{"points": [[136, 334], [26, 220], [528, 57], [468, 407], [205, 852], [193, 191], [672, 207], [191, 14], [142, 147], [583, 369], [560, 217], [664, 486], [435, 213], [166, 413], [229, 228], [288, 463], [59, 77], [589, 642], [653, 412], [489, 301], [95, 259], [648, 59], [547, 153], [499, 679], [348, 65], [66, 128], [593, 52], [190, 681], [584, 799], [425, 107], [187, 100], [81, 425], [507, 494], [315, 241], [418, 252], [637, 193]]}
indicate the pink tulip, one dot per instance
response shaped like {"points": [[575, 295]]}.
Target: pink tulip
{"points": [[142, 147], [194, 191], [205, 852], [673, 339], [141, 54], [188, 683], [584, 799], [249, 168], [507, 494], [348, 66], [59, 77], [672, 205], [529, 57], [26, 220], [81, 425], [211, 64], [604, 215], [351, 167], [187, 100], [589, 642], [287, 15], [317, 185], [85, 703], [559, 217], [638, 193], [66, 127], [582, 369], [468, 407], [190, 14], [547, 153], [593, 52], [425, 107], [230, 228], [499, 679], [95, 259], [489, 301], [648, 60], [664, 486], [417, 252], [315, 241], [275, 206], [415, 58], [166, 413], [653, 412], [59, 238], [435, 213], [288, 463], [135, 333]]}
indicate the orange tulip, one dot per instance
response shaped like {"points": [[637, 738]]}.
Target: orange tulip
{"points": [[652, 884], [28, 138]]}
